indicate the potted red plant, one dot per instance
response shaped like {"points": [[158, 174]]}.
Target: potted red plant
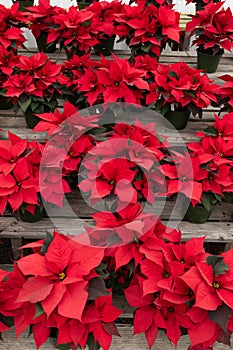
{"points": [[19, 178], [35, 86], [213, 29], [147, 29], [113, 80], [225, 93], [73, 308], [103, 22], [41, 19], [11, 35], [181, 90], [7, 63], [74, 31], [214, 152]]}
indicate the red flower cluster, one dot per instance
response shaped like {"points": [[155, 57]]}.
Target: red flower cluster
{"points": [[127, 167], [11, 36], [74, 31], [173, 288], [7, 62], [42, 17], [213, 27], [214, 156], [35, 83], [64, 151], [60, 292], [225, 93], [19, 174], [140, 82], [148, 28], [180, 86], [112, 81]]}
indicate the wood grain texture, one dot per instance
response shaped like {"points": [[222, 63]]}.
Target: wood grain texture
{"points": [[11, 228], [125, 342]]}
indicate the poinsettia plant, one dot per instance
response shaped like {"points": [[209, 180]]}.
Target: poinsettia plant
{"points": [[7, 63], [174, 286], [180, 87], [147, 29], [35, 84], [113, 81], [225, 96], [11, 35], [62, 296], [41, 18], [214, 157], [213, 29], [19, 175], [74, 31], [103, 22]]}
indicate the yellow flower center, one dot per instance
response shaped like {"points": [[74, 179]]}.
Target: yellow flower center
{"points": [[216, 285], [62, 276]]}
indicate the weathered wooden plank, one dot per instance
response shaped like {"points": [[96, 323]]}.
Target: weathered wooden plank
{"points": [[125, 342], [221, 212], [18, 122], [11, 228]]}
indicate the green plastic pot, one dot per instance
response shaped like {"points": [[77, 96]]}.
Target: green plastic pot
{"points": [[42, 44], [5, 103], [178, 119], [207, 62], [198, 214], [38, 215], [105, 47]]}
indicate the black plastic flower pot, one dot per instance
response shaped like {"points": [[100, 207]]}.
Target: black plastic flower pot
{"points": [[31, 119], [178, 119], [23, 4], [207, 62], [38, 215], [105, 47], [199, 8], [198, 214], [42, 44], [5, 103]]}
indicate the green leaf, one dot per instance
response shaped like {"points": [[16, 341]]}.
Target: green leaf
{"points": [[131, 266], [102, 270], [229, 197], [221, 316], [97, 288], [63, 347], [24, 105], [206, 201], [211, 131], [219, 266], [173, 74], [39, 310], [92, 345], [190, 93], [48, 239], [218, 197]]}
